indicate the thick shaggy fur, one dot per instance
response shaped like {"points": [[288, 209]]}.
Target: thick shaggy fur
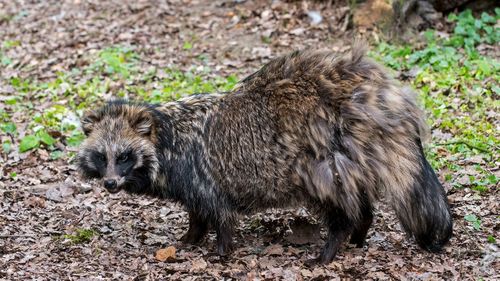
{"points": [[311, 128]]}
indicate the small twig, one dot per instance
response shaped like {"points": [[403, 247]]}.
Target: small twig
{"points": [[17, 235], [82, 217]]}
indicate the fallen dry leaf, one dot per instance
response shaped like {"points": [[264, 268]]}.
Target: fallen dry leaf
{"points": [[34, 201], [274, 250], [167, 254], [198, 265]]}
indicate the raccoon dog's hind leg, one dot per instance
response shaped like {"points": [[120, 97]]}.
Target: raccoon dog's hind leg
{"points": [[339, 227], [345, 209], [361, 228]]}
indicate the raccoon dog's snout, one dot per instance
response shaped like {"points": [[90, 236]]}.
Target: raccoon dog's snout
{"points": [[110, 184]]}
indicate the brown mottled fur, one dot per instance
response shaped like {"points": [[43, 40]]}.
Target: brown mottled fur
{"points": [[310, 128]]}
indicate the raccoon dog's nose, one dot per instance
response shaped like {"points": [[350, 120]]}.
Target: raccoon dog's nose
{"points": [[110, 184]]}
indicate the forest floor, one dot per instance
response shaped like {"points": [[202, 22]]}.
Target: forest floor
{"points": [[58, 58]]}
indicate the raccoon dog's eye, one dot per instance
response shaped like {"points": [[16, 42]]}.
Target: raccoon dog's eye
{"points": [[101, 157], [123, 157]]}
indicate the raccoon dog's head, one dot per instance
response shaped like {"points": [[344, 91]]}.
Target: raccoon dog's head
{"points": [[120, 147]]}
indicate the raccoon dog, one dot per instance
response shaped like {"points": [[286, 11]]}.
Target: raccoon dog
{"points": [[326, 131]]}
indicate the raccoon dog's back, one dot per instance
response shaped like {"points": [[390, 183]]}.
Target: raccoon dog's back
{"points": [[314, 122]]}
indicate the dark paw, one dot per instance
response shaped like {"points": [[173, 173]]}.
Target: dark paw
{"points": [[328, 253], [224, 241], [224, 248], [187, 238], [312, 262], [197, 230], [192, 238], [324, 258], [359, 243]]}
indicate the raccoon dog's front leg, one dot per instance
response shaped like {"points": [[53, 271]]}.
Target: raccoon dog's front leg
{"points": [[224, 238], [198, 228]]}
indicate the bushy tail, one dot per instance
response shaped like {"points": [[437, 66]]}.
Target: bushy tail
{"points": [[423, 209], [397, 156], [384, 136]]}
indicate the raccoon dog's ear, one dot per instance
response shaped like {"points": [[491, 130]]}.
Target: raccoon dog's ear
{"points": [[88, 121], [143, 123]]}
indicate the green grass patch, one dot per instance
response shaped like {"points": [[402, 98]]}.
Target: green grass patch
{"points": [[113, 72], [491, 239], [81, 236], [6, 45], [474, 221], [176, 84]]}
